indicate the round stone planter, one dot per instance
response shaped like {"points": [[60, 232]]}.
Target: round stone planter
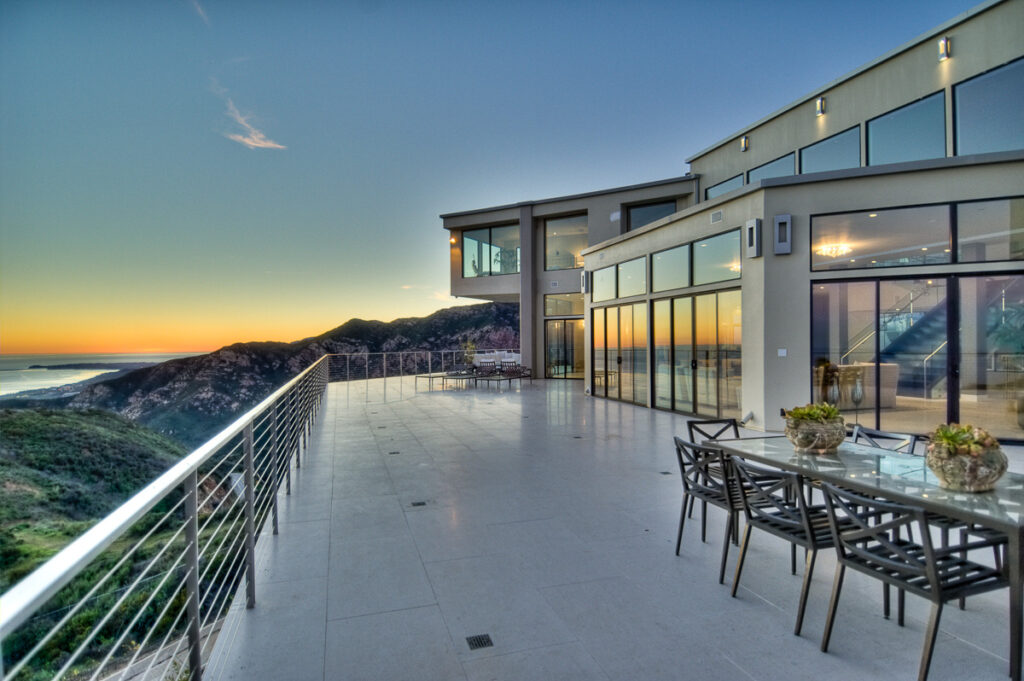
{"points": [[815, 437], [966, 473]]}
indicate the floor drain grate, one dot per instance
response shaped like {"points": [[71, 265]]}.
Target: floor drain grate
{"points": [[481, 641], [418, 503]]}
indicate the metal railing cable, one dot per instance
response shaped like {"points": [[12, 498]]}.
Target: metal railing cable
{"points": [[142, 593]]}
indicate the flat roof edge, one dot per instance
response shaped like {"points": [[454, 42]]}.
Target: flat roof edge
{"points": [[569, 197], [931, 33]]}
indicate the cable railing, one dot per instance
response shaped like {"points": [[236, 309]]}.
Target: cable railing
{"points": [[141, 595], [355, 366]]}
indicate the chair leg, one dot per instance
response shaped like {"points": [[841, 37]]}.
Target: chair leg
{"points": [[929, 641], [837, 585], [792, 559], [885, 600], [901, 600], [704, 521], [725, 547], [739, 561], [690, 512], [812, 556], [682, 521]]}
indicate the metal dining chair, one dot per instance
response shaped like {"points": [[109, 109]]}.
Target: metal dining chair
{"points": [[867, 535], [711, 429], [895, 442]]}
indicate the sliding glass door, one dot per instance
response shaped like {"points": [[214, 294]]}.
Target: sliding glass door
{"points": [[620, 352], [563, 343]]}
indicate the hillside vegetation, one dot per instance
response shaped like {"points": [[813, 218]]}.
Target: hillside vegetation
{"points": [[60, 471]]}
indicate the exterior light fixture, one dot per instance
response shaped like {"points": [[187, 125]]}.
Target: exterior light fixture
{"points": [[452, 240], [945, 48], [819, 106], [833, 250], [744, 143], [872, 215]]}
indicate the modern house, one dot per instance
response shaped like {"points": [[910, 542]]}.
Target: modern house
{"points": [[864, 244]]}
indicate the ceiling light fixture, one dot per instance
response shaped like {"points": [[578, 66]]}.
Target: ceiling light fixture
{"points": [[833, 250]]}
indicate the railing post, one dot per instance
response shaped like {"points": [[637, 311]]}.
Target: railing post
{"points": [[277, 459], [293, 400], [250, 522], [195, 642], [348, 375]]}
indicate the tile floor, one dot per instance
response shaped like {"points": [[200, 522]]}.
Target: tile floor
{"points": [[545, 519]]}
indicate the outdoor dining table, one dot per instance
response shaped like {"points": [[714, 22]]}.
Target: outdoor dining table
{"points": [[906, 479]]}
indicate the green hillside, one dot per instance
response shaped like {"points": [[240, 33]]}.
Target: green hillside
{"points": [[60, 471]]}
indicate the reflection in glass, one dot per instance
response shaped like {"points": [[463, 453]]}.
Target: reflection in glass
{"points": [[706, 353], [988, 231], [600, 366], [843, 330], [604, 284], [992, 354], [633, 278], [563, 341], [638, 216], [476, 251], [564, 238], [894, 237], [671, 268], [723, 187], [490, 251], [639, 352], [626, 353], [833, 153], [563, 304], [682, 336], [988, 111], [505, 249], [716, 258], [612, 342], [730, 337], [911, 133], [662, 354], [780, 167]]}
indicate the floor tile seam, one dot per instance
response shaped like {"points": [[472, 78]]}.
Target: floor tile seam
{"points": [[392, 611], [739, 667]]}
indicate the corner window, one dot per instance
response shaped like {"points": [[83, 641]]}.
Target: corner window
{"points": [[604, 284], [988, 111], [633, 278], [563, 304], [990, 231], [490, 251], [671, 268], [896, 237], [780, 167], [564, 238], [717, 258], [644, 214], [832, 153], [723, 187], [913, 132]]}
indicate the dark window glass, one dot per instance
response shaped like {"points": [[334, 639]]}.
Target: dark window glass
{"points": [[633, 278], [990, 111], [884, 238], [563, 304], [780, 167], [834, 153], [671, 268], [564, 238], [563, 352], [716, 258], [723, 187], [990, 230], [911, 133], [604, 284], [490, 251], [638, 216]]}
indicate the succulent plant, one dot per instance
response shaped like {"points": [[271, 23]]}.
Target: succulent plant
{"points": [[953, 439], [821, 412]]}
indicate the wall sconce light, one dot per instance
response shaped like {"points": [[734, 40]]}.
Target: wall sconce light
{"points": [[744, 143], [945, 48], [452, 240], [819, 107]]}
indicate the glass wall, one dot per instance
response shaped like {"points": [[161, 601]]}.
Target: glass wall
{"points": [[490, 251], [622, 371], [894, 237], [662, 324], [723, 187], [990, 230], [563, 304], [564, 238], [604, 284], [633, 278], [684, 362], [780, 167], [563, 343], [671, 268], [716, 258], [599, 357], [911, 133], [638, 216], [832, 153], [843, 337], [730, 354], [987, 111]]}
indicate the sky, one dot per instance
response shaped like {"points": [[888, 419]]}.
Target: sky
{"points": [[179, 175]]}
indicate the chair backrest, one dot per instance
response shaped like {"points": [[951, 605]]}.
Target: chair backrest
{"points": [[772, 496], [896, 442], [712, 429], [704, 469], [867, 532]]}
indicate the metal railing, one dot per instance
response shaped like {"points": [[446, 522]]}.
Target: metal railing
{"points": [[357, 366], [141, 595]]}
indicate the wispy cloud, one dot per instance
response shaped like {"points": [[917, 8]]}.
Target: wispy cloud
{"points": [[201, 12], [252, 136]]}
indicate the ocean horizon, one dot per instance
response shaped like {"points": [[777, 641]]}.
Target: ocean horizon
{"points": [[16, 376]]}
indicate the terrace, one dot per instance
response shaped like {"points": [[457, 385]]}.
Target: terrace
{"points": [[545, 520]]}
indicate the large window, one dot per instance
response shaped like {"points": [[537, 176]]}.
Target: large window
{"points": [[604, 284], [563, 348], [723, 187], [564, 238], [638, 216], [893, 237], [988, 111], [620, 352], [563, 304], [911, 133], [633, 278], [833, 153], [671, 268], [490, 251], [716, 258], [780, 167], [990, 230]]}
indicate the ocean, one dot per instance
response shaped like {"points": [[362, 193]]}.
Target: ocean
{"points": [[15, 374]]}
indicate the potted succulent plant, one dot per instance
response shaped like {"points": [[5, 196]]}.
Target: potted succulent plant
{"points": [[965, 458], [815, 428]]}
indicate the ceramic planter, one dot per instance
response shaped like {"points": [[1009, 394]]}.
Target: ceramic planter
{"points": [[816, 437]]}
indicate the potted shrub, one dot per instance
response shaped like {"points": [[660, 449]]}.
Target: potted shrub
{"points": [[815, 428], [965, 458]]}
